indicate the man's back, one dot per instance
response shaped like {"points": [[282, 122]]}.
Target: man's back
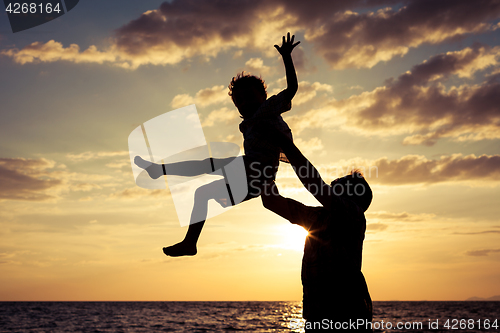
{"points": [[333, 284]]}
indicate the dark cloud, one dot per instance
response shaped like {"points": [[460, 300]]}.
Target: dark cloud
{"points": [[481, 253], [137, 193], [478, 232], [419, 170], [376, 227], [192, 23], [342, 36], [349, 39], [182, 29], [26, 179], [188, 23], [419, 99], [400, 217], [419, 104]]}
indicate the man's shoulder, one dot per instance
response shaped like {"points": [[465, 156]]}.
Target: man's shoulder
{"points": [[306, 215]]}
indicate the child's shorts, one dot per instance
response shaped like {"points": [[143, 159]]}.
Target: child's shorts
{"points": [[258, 172]]}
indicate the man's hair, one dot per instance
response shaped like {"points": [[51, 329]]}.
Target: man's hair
{"points": [[361, 192], [244, 81]]}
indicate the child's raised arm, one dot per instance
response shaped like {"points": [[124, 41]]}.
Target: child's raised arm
{"points": [[285, 50]]}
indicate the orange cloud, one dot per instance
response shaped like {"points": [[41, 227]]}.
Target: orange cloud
{"points": [[307, 91], [310, 146], [204, 97], [88, 155], [220, 115], [55, 51], [26, 179], [257, 67]]}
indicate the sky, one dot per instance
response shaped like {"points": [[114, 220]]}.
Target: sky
{"points": [[408, 91]]}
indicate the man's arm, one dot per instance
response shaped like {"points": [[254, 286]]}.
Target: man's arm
{"points": [[307, 173], [292, 210], [285, 50], [272, 200]]}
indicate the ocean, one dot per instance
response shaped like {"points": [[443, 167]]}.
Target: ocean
{"points": [[86, 317]]}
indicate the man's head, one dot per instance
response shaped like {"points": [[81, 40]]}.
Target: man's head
{"points": [[248, 92], [355, 187]]}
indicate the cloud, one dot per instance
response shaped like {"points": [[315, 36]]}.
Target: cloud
{"points": [[349, 39], [376, 227], [118, 165], [27, 179], [310, 146], [399, 217], [42, 179], [90, 155], [307, 91], [136, 193], [481, 253], [176, 31], [478, 232], [301, 61], [204, 97], [389, 217], [53, 51], [182, 100], [221, 115], [216, 94], [257, 67], [180, 30], [418, 103], [415, 169]]}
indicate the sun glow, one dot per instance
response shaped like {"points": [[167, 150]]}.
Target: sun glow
{"points": [[293, 236]]}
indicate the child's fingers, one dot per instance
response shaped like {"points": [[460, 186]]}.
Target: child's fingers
{"points": [[295, 44], [293, 37]]}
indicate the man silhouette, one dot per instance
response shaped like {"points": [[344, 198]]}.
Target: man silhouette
{"points": [[335, 291]]}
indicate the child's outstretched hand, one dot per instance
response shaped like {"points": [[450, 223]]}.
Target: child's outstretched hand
{"points": [[286, 46]]}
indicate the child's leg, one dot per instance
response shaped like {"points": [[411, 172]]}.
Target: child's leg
{"points": [[185, 168], [214, 190]]}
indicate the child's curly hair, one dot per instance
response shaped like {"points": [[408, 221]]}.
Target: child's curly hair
{"points": [[244, 81]]}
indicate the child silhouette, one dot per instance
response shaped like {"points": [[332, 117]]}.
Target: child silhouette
{"points": [[261, 157]]}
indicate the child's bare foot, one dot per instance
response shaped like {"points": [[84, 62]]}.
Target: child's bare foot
{"points": [[180, 249], [154, 170]]}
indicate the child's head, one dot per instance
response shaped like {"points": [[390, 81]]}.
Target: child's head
{"points": [[355, 187], [248, 92]]}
